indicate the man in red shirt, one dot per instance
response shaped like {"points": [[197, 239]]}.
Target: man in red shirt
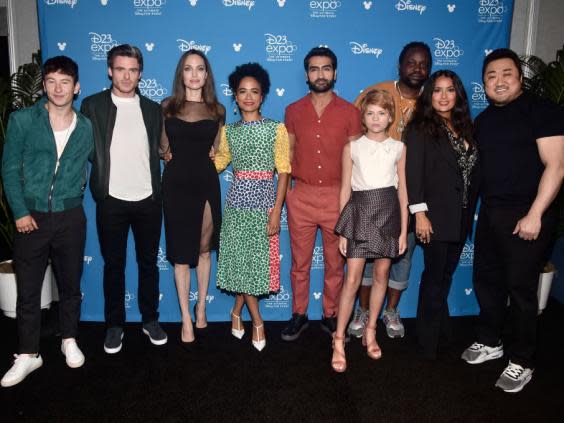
{"points": [[319, 126]]}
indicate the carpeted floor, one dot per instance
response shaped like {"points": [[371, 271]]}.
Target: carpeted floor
{"points": [[226, 380]]}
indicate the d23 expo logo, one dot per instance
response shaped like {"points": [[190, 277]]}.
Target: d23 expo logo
{"points": [[324, 8], [148, 7], [151, 88], [100, 44], [284, 219], [281, 299], [317, 260], [279, 48], [446, 52], [491, 11], [478, 98], [129, 297], [162, 262], [467, 255]]}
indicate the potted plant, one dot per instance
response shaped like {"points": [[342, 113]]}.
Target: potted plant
{"points": [[547, 80], [23, 89]]}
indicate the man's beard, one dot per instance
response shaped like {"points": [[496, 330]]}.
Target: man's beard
{"points": [[328, 87], [416, 86]]}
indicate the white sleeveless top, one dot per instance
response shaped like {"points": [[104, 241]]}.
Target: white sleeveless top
{"points": [[375, 163]]}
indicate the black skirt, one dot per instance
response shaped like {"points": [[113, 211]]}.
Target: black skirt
{"points": [[371, 222]]}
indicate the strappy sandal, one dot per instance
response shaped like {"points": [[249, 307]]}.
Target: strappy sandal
{"points": [[340, 364], [372, 349], [239, 330]]}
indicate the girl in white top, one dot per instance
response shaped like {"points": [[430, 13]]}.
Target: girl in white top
{"points": [[373, 221]]}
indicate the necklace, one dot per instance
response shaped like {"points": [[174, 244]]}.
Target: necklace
{"points": [[406, 107]]}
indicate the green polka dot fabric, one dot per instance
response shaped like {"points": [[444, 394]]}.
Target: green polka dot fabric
{"points": [[249, 260]]}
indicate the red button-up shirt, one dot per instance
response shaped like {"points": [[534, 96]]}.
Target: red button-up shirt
{"points": [[319, 140]]}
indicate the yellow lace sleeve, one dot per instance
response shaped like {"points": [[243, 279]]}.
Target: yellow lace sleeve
{"points": [[222, 155], [282, 150]]}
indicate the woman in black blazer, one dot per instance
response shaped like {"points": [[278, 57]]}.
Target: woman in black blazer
{"points": [[440, 168]]}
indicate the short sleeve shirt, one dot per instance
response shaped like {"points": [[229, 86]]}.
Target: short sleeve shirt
{"points": [[511, 167], [319, 140]]}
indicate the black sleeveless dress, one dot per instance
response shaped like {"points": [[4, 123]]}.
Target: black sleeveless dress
{"points": [[189, 180]]}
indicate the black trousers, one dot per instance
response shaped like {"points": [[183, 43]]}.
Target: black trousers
{"points": [[60, 237], [432, 324], [506, 265], [114, 217]]}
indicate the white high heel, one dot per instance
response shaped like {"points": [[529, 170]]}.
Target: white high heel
{"points": [[261, 343], [237, 333]]}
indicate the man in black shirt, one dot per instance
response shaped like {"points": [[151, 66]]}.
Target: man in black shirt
{"points": [[521, 144]]}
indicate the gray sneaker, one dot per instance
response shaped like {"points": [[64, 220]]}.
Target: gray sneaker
{"points": [[155, 333], [112, 343], [478, 353], [394, 326], [356, 326], [514, 378]]}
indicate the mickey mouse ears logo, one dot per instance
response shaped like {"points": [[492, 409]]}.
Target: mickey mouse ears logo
{"points": [[451, 7], [193, 2], [149, 46], [280, 92], [367, 5], [104, 2], [237, 47], [62, 46], [281, 3], [487, 51]]}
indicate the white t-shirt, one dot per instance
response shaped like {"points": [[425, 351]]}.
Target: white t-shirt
{"points": [[62, 138], [130, 172], [375, 164]]}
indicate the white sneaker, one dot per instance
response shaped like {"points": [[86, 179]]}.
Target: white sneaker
{"points": [[514, 378], [24, 364], [74, 356], [478, 353]]}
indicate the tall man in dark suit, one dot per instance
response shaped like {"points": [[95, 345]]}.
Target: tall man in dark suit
{"points": [[126, 184]]}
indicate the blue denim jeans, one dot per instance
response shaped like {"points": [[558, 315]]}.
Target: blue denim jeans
{"points": [[399, 272]]}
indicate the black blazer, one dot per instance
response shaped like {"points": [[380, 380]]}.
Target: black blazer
{"points": [[434, 177]]}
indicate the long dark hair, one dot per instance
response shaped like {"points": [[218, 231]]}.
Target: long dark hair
{"points": [[176, 101], [425, 119]]}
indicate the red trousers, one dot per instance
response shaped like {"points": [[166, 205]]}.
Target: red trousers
{"points": [[311, 207]]}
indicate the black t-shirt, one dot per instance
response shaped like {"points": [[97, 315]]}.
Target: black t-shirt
{"points": [[510, 164]]}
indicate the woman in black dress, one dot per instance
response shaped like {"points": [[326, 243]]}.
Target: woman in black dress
{"points": [[191, 193], [441, 168]]}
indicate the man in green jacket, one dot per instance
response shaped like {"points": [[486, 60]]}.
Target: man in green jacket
{"points": [[126, 184], [44, 168]]}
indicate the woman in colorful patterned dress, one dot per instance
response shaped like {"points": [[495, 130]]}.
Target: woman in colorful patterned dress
{"points": [[249, 259]]}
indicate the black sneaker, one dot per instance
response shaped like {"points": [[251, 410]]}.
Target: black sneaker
{"points": [[112, 343], [328, 324], [297, 324], [155, 333]]}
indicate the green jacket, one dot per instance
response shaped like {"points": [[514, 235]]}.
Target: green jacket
{"points": [[101, 110], [30, 159]]}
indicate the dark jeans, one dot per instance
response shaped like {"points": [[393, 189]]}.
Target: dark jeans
{"points": [[114, 218], [506, 265], [440, 259], [61, 237]]}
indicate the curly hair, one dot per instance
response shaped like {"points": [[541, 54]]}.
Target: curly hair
{"points": [[253, 70]]}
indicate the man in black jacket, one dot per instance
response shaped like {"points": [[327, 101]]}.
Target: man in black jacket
{"points": [[126, 184], [520, 139]]}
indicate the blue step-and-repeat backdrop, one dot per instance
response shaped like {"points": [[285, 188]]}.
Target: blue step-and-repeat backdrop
{"points": [[367, 37]]}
